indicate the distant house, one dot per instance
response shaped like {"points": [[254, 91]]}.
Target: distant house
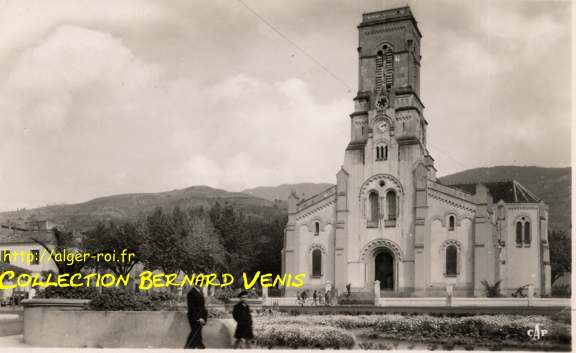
{"points": [[18, 252]]}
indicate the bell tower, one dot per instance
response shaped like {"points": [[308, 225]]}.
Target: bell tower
{"points": [[382, 186], [389, 80]]}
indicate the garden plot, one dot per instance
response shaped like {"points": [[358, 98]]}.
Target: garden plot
{"points": [[485, 332]]}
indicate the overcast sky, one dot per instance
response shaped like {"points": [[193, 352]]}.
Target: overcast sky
{"points": [[106, 97]]}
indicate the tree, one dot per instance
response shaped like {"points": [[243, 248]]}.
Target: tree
{"points": [[252, 242], [63, 242], [111, 238], [270, 240], [560, 254], [205, 252], [182, 241], [162, 248]]}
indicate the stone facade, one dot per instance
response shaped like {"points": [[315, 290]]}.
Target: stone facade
{"points": [[388, 218]]}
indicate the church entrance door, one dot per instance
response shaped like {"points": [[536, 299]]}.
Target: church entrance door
{"points": [[384, 269]]}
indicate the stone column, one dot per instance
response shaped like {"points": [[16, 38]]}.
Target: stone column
{"points": [[341, 231], [530, 293], [205, 291], [484, 256], [264, 295], [420, 268], [449, 294]]}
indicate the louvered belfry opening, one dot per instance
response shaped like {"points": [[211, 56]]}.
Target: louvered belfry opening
{"points": [[384, 69]]}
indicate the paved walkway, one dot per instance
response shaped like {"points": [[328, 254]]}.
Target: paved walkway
{"points": [[9, 317], [12, 341]]}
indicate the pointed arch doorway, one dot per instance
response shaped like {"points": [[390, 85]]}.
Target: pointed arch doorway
{"points": [[384, 270]]}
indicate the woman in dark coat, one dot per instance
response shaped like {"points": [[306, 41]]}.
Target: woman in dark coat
{"points": [[243, 317]]}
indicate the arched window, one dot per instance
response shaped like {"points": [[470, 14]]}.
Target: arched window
{"points": [[317, 263], [518, 233], [374, 207], [451, 223], [451, 260], [381, 153], [385, 68], [523, 232], [316, 228], [392, 205], [527, 236]]}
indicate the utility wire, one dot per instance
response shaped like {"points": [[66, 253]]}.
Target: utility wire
{"points": [[449, 156], [295, 45], [319, 63]]}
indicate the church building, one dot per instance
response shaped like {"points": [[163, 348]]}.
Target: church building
{"points": [[389, 221]]}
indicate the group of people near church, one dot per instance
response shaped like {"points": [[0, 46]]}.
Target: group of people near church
{"points": [[198, 316], [315, 297]]}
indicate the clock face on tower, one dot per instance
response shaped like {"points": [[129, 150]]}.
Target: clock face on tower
{"points": [[383, 126]]}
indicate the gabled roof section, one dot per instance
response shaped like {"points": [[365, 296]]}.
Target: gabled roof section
{"points": [[17, 270], [509, 191], [12, 235], [328, 193]]}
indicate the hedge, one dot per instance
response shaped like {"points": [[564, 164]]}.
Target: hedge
{"points": [[68, 292], [117, 299], [302, 336], [483, 327]]}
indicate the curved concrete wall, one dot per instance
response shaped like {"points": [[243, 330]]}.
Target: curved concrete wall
{"points": [[46, 327], [11, 325]]}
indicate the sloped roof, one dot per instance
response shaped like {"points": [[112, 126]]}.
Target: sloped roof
{"points": [[509, 191], [10, 235], [8, 267]]}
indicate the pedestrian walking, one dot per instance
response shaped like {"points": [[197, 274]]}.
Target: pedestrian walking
{"points": [[241, 314], [315, 297], [197, 316]]}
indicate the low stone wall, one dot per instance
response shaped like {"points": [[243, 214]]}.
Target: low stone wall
{"points": [[474, 302], [443, 301], [280, 301], [11, 325], [46, 326]]}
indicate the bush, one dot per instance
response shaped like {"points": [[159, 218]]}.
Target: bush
{"points": [[375, 346], [68, 292], [340, 321], [298, 336], [274, 292], [562, 291], [424, 327], [215, 313], [224, 294], [213, 300], [492, 290], [119, 299]]}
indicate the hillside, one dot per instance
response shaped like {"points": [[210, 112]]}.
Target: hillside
{"points": [[131, 207], [550, 184], [281, 192], [553, 185]]}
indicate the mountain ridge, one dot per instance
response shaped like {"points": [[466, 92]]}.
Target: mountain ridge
{"points": [[553, 185]]}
